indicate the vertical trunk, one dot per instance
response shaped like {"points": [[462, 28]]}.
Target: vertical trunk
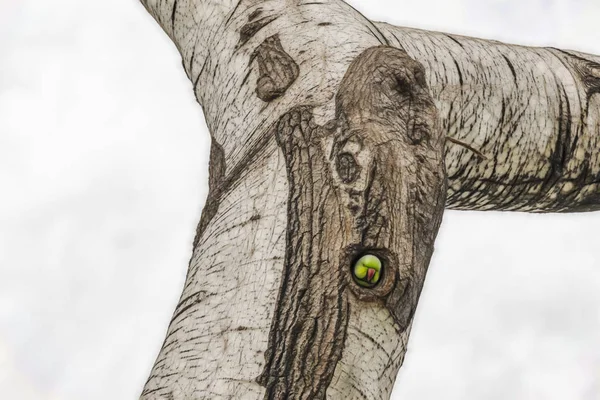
{"points": [[309, 111]]}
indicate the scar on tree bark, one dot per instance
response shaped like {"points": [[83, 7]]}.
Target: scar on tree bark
{"points": [[277, 70], [343, 203]]}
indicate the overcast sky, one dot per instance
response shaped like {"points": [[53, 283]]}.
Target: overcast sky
{"points": [[103, 172]]}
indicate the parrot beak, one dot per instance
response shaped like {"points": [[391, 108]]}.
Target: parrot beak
{"points": [[370, 274]]}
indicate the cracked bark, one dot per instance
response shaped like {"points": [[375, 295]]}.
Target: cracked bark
{"points": [[385, 120], [328, 141]]}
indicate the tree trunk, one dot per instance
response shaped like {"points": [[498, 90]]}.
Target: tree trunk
{"points": [[328, 136]]}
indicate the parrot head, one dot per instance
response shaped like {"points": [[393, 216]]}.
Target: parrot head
{"points": [[367, 270]]}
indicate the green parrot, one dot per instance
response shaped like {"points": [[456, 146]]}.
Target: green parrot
{"points": [[367, 270]]}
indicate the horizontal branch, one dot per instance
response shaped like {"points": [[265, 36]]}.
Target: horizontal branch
{"points": [[533, 112]]}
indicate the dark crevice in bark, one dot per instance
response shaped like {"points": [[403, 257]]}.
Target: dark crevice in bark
{"points": [[250, 29], [454, 40], [216, 165], [277, 70], [560, 156], [191, 63], [372, 27], [460, 75], [197, 80], [377, 34], [216, 173], [149, 392], [189, 302], [512, 68], [173, 15], [233, 12], [255, 14], [343, 203]]}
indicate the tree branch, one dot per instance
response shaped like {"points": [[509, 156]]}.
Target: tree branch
{"points": [[328, 135], [534, 113]]}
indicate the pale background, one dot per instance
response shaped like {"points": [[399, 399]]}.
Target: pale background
{"points": [[103, 171]]}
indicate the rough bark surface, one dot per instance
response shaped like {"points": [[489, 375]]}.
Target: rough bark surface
{"points": [[344, 203], [307, 334], [533, 112], [216, 175], [325, 145]]}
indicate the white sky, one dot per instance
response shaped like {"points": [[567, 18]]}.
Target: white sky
{"points": [[103, 171]]}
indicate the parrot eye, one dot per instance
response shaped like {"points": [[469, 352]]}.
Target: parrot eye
{"points": [[367, 271]]}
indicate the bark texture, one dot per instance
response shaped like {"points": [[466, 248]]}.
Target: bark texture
{"points": [[328, 142], [533, 112], [343, 203]]}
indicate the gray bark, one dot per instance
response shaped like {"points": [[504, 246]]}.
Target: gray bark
{"points": [[328, 143]]}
